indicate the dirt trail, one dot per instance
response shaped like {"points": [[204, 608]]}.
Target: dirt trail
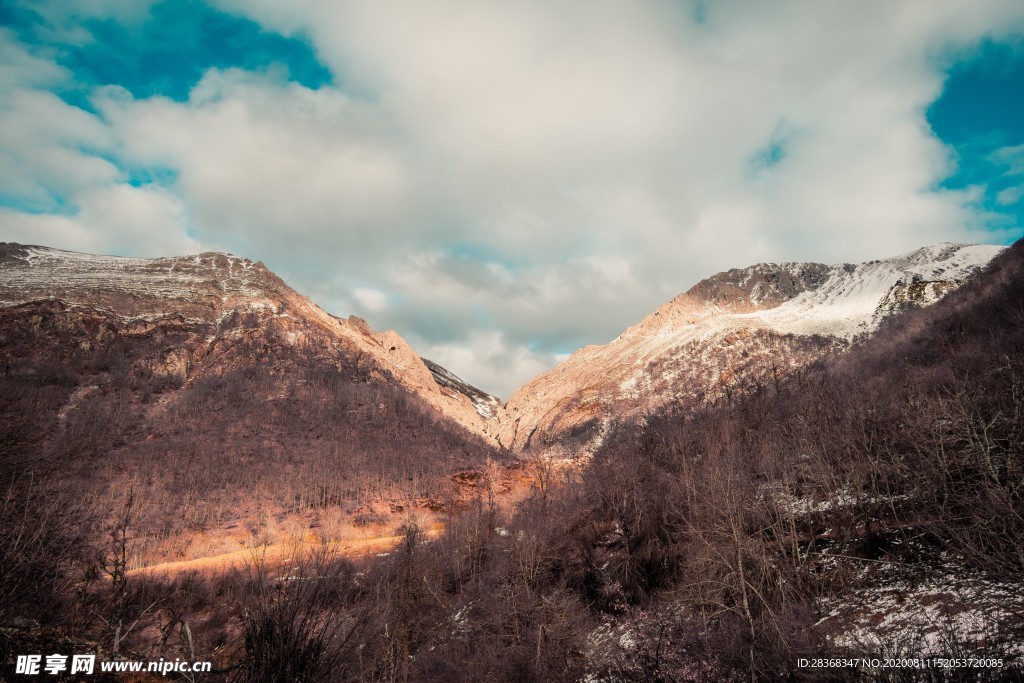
{"points": [[279, 553]]}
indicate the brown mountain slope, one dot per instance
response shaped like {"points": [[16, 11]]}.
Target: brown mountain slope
{"points": [[229, 406], [729, 332], [221, 298]]}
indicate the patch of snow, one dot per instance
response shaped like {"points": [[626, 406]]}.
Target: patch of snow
{"points": [[460, 620], [933, 617], [804, 505], [486, 408], [848, 302], [628, 386]]}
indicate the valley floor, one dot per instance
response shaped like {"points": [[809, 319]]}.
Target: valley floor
{"points": [[282, 554]]}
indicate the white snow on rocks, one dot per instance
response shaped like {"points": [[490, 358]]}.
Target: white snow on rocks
{"points": [[41, 269], [855, 299]]}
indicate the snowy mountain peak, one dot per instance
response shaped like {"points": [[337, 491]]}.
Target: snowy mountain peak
{"points": [[129, 285], [853, 300], [736, 327]]}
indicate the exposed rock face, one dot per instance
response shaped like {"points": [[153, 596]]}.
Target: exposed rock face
{"points": [[489, 407], [762, 286], [218, 298], [729, 332]]}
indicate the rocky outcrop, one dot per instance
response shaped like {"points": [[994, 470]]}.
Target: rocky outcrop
{"points": [[758, 287], [487, 406]]}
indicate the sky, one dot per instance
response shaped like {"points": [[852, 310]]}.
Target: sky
{"points": [[505, 182]]}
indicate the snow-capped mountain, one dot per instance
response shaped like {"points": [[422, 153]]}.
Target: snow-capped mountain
{"points": [[218, 300], [728, 332]]}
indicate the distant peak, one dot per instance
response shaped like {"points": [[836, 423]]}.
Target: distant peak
{"points": [[767, 285], [486, 406]]}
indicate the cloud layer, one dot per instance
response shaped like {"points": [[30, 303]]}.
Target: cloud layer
{"points": [[504, 182]]}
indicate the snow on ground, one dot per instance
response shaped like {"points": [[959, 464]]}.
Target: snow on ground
{"points": [[942, 614], [486, 408], [805, 505]]}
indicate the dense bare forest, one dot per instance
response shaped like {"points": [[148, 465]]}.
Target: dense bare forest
{"points": [[720, 542]]}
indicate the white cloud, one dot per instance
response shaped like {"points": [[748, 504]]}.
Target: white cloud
{"points": [[1010, 195], [370, 299], [573, 128], [20, 68], [266, 164], [1012, 158], [119, 219], [48, 149], [57, 179], [497, 363]]}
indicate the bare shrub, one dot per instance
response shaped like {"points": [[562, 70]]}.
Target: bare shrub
{"points": [[302, 625]]}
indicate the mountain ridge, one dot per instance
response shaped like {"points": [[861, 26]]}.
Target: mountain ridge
{"points": [[743, 325]]}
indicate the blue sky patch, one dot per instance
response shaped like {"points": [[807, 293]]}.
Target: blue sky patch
{"points": [[770, 155], [46, 201], [168, 53], [981, 116], [158, 175], [775, 151]]}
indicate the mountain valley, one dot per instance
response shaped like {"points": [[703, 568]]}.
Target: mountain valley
{"points": [[763, 468]]}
